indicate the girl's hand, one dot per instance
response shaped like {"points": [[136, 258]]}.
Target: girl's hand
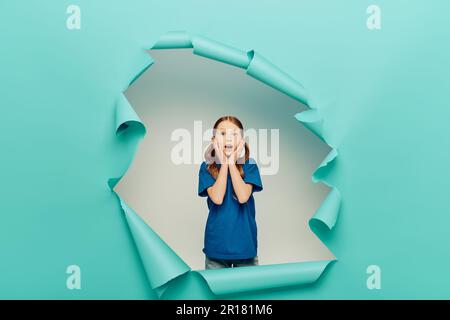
{"points": [[219, 152], [236, 153]]}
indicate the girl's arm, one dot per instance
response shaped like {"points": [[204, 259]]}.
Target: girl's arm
{"points": [[242, 189], [217, 191]]}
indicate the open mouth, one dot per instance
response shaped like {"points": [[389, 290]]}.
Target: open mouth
{"points": [[228, 147]]}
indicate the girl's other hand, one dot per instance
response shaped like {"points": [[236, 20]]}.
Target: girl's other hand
{"points": [[234, 157], [218, 148]]}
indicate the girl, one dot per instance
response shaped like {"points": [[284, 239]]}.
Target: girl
{"points": [[228, 178]]}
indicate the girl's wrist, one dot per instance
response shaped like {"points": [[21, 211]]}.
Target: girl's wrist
{"points": [[224, 165]]}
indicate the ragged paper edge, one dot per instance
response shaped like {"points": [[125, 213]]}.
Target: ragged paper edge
{"points": [[162, 265]]}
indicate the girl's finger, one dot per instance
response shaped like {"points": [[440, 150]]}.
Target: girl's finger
{"points": [[239, 150], [240, 147], [219, 148]]}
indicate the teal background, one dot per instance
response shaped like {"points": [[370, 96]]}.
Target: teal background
{"points": [[383, 95]]}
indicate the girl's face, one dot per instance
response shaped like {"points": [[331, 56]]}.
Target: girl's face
{"points": [[230, 135]]}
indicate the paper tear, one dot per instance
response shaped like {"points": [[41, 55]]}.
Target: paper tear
{"points": [[161, 263]]}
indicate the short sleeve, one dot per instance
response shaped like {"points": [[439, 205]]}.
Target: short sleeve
{"points": [[251, 175], [205, 180]]}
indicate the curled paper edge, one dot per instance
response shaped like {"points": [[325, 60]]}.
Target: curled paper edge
{"points": [[161, 263], [255, 278], [153, 251]]}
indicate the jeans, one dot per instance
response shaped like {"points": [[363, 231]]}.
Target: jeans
{"points": [[211, 263]]}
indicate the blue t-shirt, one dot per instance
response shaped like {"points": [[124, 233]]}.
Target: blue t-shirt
{"points": [[231, 231]]}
